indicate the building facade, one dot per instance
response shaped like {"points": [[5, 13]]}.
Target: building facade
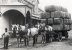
{"points": [[16, 12]]}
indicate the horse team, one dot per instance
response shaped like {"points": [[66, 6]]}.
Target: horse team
{"points": [[26, 33]]}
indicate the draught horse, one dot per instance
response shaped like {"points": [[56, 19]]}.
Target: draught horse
{"points": [[26, 33]]}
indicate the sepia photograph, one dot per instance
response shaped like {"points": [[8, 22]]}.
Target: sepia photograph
{"points": [[35, 25]]}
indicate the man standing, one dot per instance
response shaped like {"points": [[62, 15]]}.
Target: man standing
{"points": [[42, 30], [49, 33], [6, 38]]}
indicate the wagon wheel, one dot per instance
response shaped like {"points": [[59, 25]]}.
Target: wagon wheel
{"points": [[59, 36]]}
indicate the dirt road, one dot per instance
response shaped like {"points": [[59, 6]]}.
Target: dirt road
{"points": [[63, 45]]}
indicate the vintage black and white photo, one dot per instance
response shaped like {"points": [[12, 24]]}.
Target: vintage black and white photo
{"points": [[35, 25]]}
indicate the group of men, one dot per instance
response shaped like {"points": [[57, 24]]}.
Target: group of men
{"points": [[42, 27], [45, 31]]}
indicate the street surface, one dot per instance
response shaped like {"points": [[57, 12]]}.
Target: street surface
{"points": [[55, 45]]}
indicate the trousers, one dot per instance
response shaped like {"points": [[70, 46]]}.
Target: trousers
{"points": [[6, 41]]}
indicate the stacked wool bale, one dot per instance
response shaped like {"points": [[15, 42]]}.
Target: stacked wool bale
{"points": [[59, 17], [50, 21], [46, 15], [67, 21]]}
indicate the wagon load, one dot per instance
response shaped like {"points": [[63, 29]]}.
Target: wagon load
{"points": [[61, 20], [53, 8], [57, 15]]}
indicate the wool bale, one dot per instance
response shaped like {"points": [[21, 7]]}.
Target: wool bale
{"points": [[43, 21], [67, 21], [67, 15], [63, 15], [51, 8], [67, 27], [45, 15], [50, 21], [57, 20], [60, 14], [57, 14]]}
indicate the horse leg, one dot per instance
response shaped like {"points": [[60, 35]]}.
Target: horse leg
{"points": [[43, 38], [20, 39], [51, 37], [34, 40], [36, 36], [46, 38], [27, 40]]}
